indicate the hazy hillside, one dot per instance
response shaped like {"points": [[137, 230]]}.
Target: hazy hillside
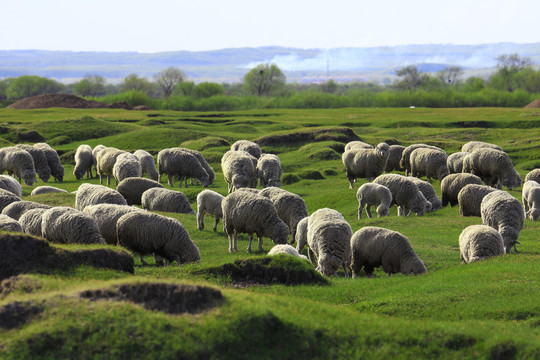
{"points": [[229, 65]]}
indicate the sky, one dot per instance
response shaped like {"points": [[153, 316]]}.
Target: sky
{"points": [[152, 26]]}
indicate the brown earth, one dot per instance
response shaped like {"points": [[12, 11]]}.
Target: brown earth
{"points": [[64, 101], [533, 105]]}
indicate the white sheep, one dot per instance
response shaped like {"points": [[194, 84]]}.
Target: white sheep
{"points": [[371, 194], [249, 146], [428, 162], [533, 175], [9, 183], [161, 199], [106, 217], [405, 194], [365, 163], [148, 164], [455, 162], [531, 199], [396, 152], [105, 160], [209, 202], [31, 221], [470, 198], [357, 144], [40, 161], [66, 225], [19, 163], [473, 145], [405, 163], [127, 165], [429, 193], [133, 188], [174, 162], [16, 209], [245, 212], [53, 160], [90, 194], [285, 249], [83, 162], [504, 213], [46, 190], [239, 169], [372, 247], [494, 167], [206, 166], [453, 183], [7, 223], [269, 170], [477, 242], [6, 198], [95, 151]]}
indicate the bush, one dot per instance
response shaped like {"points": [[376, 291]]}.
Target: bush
{"points": [[311, 175], [288, 179]]}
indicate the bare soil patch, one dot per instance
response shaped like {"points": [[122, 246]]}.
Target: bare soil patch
{"points": [[533, 105], [65, 101]]}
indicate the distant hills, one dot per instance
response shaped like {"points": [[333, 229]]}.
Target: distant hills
{"points": [[229, 65]]}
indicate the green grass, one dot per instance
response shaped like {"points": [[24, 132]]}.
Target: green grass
{"points": [[488, 309]]}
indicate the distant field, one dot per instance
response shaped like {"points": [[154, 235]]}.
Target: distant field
{"points": [[488, 309]]}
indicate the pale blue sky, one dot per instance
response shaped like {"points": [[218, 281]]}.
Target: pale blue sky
{"points": [[167, 25]]}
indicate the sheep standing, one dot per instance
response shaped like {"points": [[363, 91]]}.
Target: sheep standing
{"points": [[105, 160], [148, 165], [46, 190], [429, 193], [473, 145], [371, 194], [428, 162], [83, 162], [531, 200], [40, 161], [470, 198], [53, 160], [209, 202], [31, 221], [372, 247], [365, 163], [127, 165], [16, 209], [249, 146], [396, 152], [176, 162], [149, 233], [504, 213], [7, 223], [133, 188], [453, 183], [357, 145], [244, 212], [405, 162], [405, 194], [477, 242], [269, 170], [90, 194], [494, 167], [203, 162], [161, 199], [533, 175], [455, 162], [285, 249], [19, 163], [10, 184], [106, 217], [95, 151], [239, 169], [6, 198], [67, 225]]}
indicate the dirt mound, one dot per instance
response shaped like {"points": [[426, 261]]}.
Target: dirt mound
{"points": [[169, 298], [17, 313], [65, 101], [533, 105], [341, 134], [31, 136]]}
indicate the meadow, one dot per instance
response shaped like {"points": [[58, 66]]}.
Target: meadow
{"points": [[488, 309]]}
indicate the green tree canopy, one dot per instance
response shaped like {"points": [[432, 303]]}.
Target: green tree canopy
{"points": [[207, 89], [510, 66], [133, 82], [264, 79], [91, 85], [410, 78], [29, 85], [168, 79]]}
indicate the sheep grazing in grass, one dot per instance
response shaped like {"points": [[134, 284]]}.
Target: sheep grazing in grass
{"points": [[90, 194], [67, 225], [405, 194], [239, 170], [428, 162], [7, 223], [31, 221], [161, 199], [203, 162], [106, 217], [148, 164], [405, 163], [53, 160], [105, 160], [429, 193], [372, 247], [452, 185], [249, 146], [455, 162], [40, 161], [132, 189], [357, 145], [46, 190], [9, 183], [470, 198], [494, 167], [83, 162], [174, 162], [504, 213], [365, 163], [371, 194], [269, 170], [16, 209], [95, 151], [477, 242], [19, 163], [531, 200], [396, 152], [126, 166], [285, 249], [533, 175], [209, 202], [245, 212], [6, 198], [473, 145]]}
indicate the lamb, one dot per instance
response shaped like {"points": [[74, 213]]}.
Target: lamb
{"points": [[373, 246], [6, 198], [405, 194], [106, 217], [428, 162], [150, 233], [455, 162], [161, 199], [269, 170], [249, 146], [31, 221], [127, 165], [209, 202], [244, 212], [396, 152], [405, 163], [46, 190], [493, 167], [105, 160], [66, 225], [453, 183], [365, 163], [40, 161], [16, 209], [53, 160], [477, 242], [83, 162], [470, 198], [328, 238], [357, 145], [90, 194], [7, 223], [533, 175], [10, 184], [239, 170], [531, 200], [285, 249], [148, 165], [473, 145], [176, 162], [504, 213], [18, 162], [204, 164], [133, 188], [291, 208], [371, 194], [429, 193]]}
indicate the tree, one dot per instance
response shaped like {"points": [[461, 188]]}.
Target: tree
{"points": [[91, 85], [329, 87], [264, 79], [207, 89], [168, 79], [509, 65], [410, 77], [134, 82], [450, 74], [29, 85]]}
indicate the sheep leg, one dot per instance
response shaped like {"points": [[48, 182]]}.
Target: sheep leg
{"points": [[216, 224], [100, 179], [312, 257], [249, 245], [170, 180], [235, 240], [143, 262], [260, 244], [231, 249], [177, 259], [351, 182], [360, 208], [345, 270], [185, 181], [368, 211], [108, 180], [200, 220]]}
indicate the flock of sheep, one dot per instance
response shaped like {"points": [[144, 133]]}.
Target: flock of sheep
{"points": [[107, 216]]}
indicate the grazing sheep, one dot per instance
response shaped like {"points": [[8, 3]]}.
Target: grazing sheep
{"points": [[83, 162], [405, 163], [127, 165], [249, 146], [106, 216], [285, 249], [7, 223], [67, 225], [95, 151], [531, 200], [19, 163], [373, 246], [204, 164], [428, 162], [365, 163], [429, 193], [269, 170], [90, 194], [533, 175], [6, 198], [31, 221], [473, 145], [148, 164], [396, 152], [16, 209], [405, 194], [209, 202], [302, 228], [133, 188], [239, 170], [291, 208], [182, 164], [105, 160], [504, 213], [371, 194], [453, 183], [477, 242], [470, 198], [455, 162], [244, 212], [161, 199], [53, 160], [150, 233], [46, 190], [357, 145], [9, 183], [493, 167], [40, 161]]}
